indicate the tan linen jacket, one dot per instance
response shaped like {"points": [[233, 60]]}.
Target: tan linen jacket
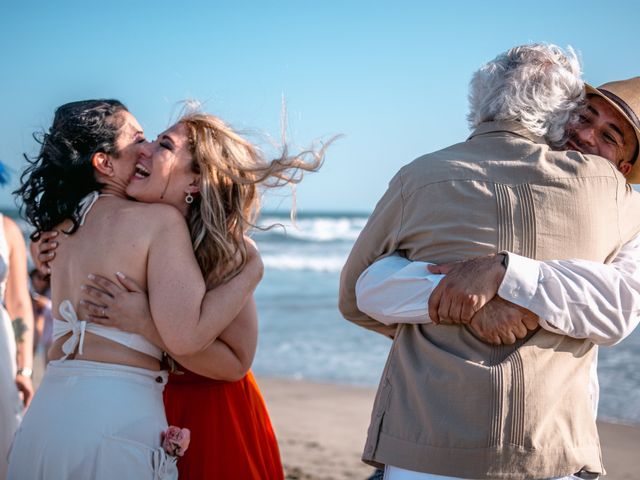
{"points": [[448, 403]]}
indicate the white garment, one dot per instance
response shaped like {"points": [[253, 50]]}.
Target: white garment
{"points": [[10, 404], [77, 328], [578, 298], [395, 473], [93, 420]]}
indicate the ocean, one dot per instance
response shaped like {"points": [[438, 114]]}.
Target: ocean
{"points": [[303, 336]]}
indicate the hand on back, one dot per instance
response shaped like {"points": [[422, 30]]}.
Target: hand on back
{"points": [[468, 295], [465, 289], [502, 322]]}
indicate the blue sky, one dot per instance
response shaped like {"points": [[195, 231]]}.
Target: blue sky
{"points": [[391, 76]]}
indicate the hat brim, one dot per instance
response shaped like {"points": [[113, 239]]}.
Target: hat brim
{"points": [[634, 174]]}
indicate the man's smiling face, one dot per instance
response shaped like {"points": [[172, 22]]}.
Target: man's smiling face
{"points": [[602, 130]]}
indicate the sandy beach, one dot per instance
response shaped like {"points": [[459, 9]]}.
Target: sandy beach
{"points": [[321, 429]]}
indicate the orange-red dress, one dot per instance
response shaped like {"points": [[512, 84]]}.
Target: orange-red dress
{"points": [[231, 434]]}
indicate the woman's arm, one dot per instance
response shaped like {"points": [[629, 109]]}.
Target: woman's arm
{"points": [[126, 307], [187, 317], [231, 355], [18, 303]]}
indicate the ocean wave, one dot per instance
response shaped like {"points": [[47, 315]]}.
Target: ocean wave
{"points": [[315, 229], [329, 263]]}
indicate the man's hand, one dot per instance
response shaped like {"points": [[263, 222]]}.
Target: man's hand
{"points": [[502, 322], [465, 289]]}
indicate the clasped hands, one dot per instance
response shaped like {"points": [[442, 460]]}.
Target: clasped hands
{"points": [[468, 295]]}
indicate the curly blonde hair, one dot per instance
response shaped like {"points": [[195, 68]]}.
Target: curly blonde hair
{"points": [[232, 170]]}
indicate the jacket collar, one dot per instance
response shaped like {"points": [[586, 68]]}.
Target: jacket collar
{"points": [[509, 126]]}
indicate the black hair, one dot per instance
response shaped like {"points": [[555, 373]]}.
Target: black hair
{"points": [[61, 175]]}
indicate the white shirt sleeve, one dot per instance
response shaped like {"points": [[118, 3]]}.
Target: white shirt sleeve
{"points": [[579, 298], [395, 290]]}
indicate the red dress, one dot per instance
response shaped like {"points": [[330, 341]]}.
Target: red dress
{"points": [[231, 434]]}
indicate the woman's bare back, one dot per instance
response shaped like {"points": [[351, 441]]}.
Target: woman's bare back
{"points": [[115, 236]]}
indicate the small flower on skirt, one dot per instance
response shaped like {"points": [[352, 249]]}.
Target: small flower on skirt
{"points": [[175, 440]]}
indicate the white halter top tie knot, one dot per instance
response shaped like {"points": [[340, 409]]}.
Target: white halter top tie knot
{"points": [[78, 328], [70, 324]]}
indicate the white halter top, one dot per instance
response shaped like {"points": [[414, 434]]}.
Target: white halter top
{"points": [[71, 324]]}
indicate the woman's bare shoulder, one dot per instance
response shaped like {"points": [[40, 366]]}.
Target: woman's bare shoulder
{"points": [[155, 215]]}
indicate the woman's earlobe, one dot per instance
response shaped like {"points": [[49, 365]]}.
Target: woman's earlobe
{"points": [[194, 186]]}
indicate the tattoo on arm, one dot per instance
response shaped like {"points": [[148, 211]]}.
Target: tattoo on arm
{"points": [[19, 329]]}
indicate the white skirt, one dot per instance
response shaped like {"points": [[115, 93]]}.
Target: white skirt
{"points": [[10, 404], [92, 420]]}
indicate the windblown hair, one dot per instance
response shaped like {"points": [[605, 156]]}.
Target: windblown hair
{"points": [[538, 85], [62, 174], [232, 171]]}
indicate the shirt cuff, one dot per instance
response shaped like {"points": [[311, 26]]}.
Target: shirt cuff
{"points": [[521, 280]]}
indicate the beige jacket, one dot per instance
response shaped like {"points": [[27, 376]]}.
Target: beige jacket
{"points": [[447, 403]]}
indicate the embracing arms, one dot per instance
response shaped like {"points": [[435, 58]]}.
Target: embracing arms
{"points": [[578, 298], [125, 306], [189, 318], [395, 290]]}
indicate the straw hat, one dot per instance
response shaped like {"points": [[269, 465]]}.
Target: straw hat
{"points": [[624, 96]]}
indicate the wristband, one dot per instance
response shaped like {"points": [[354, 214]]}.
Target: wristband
{"points": [[25, 372]]}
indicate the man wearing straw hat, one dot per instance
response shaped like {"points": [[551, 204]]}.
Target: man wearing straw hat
{"points": [[448, 403]]}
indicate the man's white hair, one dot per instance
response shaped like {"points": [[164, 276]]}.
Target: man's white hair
{"points": [[538, 85]]}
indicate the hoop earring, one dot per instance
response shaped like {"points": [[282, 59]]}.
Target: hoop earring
{"points": [[189, 198]]}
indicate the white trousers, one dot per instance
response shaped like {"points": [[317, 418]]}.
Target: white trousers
{"points": [[92, 420], [395, 473], [10, 404]]}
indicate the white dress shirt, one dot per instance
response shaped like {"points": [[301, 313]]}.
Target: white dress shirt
{"points": [[578, 298]]}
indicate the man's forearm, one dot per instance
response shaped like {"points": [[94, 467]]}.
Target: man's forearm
{"points": [[578, 298], [395, 290]]}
